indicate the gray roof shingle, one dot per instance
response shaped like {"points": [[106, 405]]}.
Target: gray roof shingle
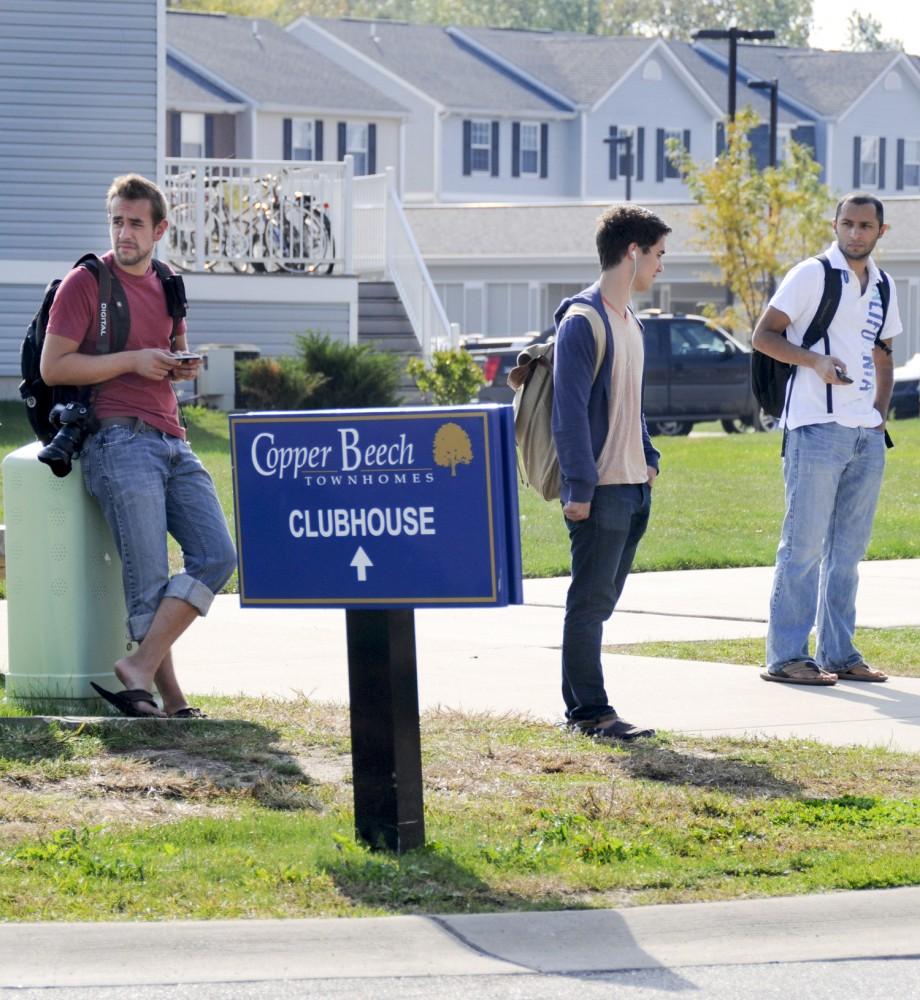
{"points": [[261, 60], [828, 82], [428, 58]]}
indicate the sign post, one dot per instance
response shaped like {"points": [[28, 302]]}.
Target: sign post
{"points": [[379, 512]]}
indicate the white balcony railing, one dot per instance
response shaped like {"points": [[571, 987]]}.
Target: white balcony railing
{"points": [[259, 216], [385, 247]]}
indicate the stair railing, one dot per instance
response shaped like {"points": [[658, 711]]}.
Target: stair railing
{"points": [[385, 247]]}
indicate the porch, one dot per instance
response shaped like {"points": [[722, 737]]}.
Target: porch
{"points": [[242, 229]]}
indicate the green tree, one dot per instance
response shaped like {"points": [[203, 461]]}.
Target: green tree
{"points": [[754, 223], [451, 379], [864, 34]]}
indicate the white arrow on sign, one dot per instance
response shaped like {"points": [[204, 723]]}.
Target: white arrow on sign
{"points": [[361, 561]]}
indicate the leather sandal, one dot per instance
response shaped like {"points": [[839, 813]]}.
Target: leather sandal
{"points": [[861, 672], [800, 672]]}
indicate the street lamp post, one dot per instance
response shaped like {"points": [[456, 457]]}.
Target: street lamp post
{"points": [[773, 87], [733, 34], [627, 141]]}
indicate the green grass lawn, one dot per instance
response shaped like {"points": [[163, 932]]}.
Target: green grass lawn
{"points": [[251, 816], [718, 502], [894, 650]]}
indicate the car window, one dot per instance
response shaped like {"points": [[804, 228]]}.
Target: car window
{"points": [[690, 339], [651, 335]]}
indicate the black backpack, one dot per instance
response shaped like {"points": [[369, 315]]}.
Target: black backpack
{"points": [[114, 326], [770, 378]]}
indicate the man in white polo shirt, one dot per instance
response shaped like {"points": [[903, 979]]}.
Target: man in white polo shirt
{"points": [[835, 448]]}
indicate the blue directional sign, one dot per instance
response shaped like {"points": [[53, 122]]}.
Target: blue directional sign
{"points": [[394, 508]]}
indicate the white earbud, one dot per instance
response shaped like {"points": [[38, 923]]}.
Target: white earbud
{"points": [[633, 255]]}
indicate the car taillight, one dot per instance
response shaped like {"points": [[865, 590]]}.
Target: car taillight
{"points": [[490, 368]]}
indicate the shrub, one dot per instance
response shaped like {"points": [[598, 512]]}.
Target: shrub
{"points": [[355, 376], [451, 379], [277, 384]]}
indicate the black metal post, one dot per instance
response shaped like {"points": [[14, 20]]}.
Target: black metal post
{"points": [[732, 35], [385, 741]]}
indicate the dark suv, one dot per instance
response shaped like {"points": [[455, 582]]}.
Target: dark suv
{"points": [[694, 372]]}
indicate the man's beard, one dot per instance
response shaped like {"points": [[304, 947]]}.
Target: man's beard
{"points": [[857, 256], [128, 258]]}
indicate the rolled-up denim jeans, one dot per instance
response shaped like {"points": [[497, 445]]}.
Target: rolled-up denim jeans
{"points": [[603, 548], [833, 475], [147, 484]]}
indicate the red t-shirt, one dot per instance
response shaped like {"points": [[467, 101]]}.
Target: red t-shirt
{"points": [[74, 316]]}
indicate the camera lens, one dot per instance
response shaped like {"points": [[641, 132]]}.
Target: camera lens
{"points": [[58, 454]]}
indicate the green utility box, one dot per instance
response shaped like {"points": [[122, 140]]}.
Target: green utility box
{"points": [[65, 605]]}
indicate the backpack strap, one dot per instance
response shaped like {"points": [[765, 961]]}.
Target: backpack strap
{"points": [[589, 313], [884, 293], [174, 290], [818, 330]]}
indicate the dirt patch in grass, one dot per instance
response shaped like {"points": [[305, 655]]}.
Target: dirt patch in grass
{"points": [[250, 814]]}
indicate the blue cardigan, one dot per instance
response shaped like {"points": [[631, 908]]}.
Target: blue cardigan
{"points": [[580, 402]]}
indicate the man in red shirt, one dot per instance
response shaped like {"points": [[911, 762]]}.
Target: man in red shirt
{"points": [[138, 464]]}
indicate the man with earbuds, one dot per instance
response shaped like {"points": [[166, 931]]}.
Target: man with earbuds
{"points": [[606, 458]]}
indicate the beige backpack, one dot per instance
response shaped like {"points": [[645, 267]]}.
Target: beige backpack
{"points": [[532, 381]]}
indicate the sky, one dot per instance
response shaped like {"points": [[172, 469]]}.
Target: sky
{"points": [[899, 19]]}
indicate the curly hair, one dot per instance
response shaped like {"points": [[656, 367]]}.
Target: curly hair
{"points": [[624, 224]]}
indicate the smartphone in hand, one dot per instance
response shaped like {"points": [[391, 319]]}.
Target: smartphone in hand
{"points": [[186, 356], [843, 376]]}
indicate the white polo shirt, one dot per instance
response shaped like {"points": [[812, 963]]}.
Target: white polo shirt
{"points": [[852, 334]]}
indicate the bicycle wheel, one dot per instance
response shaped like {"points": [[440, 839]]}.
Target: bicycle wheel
{"points": [[321, 243]]}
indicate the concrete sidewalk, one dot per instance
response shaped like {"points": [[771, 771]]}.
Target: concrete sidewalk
{"points": [[507, 659], [582, 942]]}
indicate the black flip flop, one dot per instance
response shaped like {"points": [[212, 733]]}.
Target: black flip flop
{"points": [[188, 713], [125, 701]]}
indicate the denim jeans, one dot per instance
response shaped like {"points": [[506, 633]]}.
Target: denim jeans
{"points": [[603, 548], [833, 475], [147, 484]]}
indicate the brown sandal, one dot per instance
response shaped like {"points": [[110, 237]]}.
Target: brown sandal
{"points": [[861, 672], [800, 672]]}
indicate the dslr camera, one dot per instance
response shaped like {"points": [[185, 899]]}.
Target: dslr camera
{"points": [[75, 423]]}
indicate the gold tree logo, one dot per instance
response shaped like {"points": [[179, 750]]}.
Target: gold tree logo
{"points": [[452, 447]]}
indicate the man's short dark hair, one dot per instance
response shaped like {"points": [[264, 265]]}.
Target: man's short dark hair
{"points": [[133, 187], [862, 198], [624, 224]]}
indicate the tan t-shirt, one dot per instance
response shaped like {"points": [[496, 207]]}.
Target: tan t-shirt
{"points": [[622, 459]]}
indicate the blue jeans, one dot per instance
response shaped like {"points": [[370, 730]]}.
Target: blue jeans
{"points": [[833, 475], [147, 484], [603, 548]]}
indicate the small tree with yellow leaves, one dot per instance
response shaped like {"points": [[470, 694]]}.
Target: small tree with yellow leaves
{"points": [[753, 223]]}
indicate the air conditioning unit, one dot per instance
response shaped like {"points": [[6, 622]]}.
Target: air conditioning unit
{"points": [[217, 384]]}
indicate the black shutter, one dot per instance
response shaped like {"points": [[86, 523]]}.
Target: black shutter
{"points": [[208, 136], [900, 166], [544, 150], [881, 164], [720, 138], [686, 140], [467, 148], [495, 149], [640, 153], [372, 148], [175, 133], [288, 133], [343, 140], [759, 138], [857, 157], [612, 154], [515, 149], [318, 139], [805, 136], [659, 155]]}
